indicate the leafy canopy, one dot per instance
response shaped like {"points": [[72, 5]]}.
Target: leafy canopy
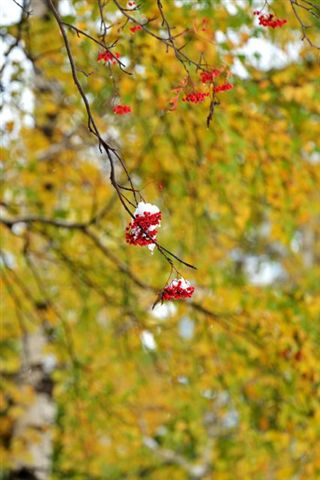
{"points": [[225, 385]]}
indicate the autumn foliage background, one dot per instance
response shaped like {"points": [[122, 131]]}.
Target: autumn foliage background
{"points": [[225, 385]]}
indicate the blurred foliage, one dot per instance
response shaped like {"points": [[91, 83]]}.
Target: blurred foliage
{"points": [[230, 388]]}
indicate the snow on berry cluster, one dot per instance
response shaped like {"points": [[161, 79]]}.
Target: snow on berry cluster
{"points": [[269, 20], [179, 288], [143, 229], [131, 5]]}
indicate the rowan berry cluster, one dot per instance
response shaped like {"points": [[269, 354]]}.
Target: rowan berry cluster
{"points": [[223, 88], [122, 109], [143, 229], [269, 20], [135, 28], [208, 77], [195, 97], [108, 57], [179, 288]]}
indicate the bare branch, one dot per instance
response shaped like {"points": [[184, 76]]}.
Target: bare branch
{"points": [[294, 4]]}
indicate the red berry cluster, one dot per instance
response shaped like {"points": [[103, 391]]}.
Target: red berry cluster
{"points": [[223, 88], [177, 289], [108, 57], [269, 20], [143, 229], [208, 77], [122, 109], [135, 28], [195, 97]]}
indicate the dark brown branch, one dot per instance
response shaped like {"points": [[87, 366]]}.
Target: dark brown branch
{"points": [[108, 150], [120, 265], [102, 44], [304, 27], [91, 122], [24, 7], [48, 221], [24, 16], [168, 42]]}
